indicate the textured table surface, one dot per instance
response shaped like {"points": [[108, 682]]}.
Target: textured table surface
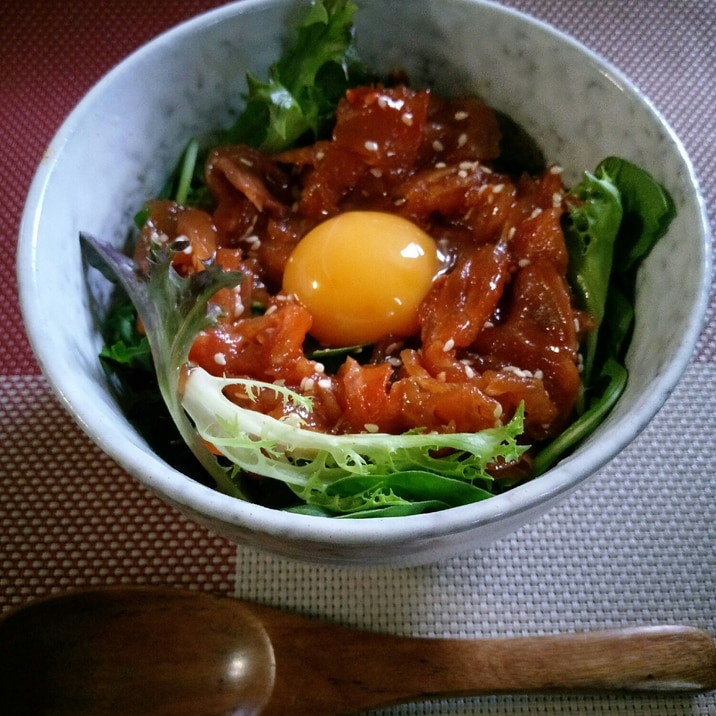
{"points": [[635, 546]]}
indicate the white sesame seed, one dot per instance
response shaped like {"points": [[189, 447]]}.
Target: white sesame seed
{"points": [[371, 428], [219, 359], [324, 383], [371, 146], [556, 199], [460, 115], [438, 145], [319, 367], [556, 169], [246, 162], [238, 304], [307, 385], [488, 324], [511, 233], [400, 201], [448, 345], [394, 361], [441, 376], [462, 140], [497, 412], [377, 173], [523, 262], [535, 213], [469, 372], [382, 102], [271, 309], [280, 382], [462, 174], [538, 374], [440, 165], [519, 372], [407, 119], [497, 188], [320, 155]]}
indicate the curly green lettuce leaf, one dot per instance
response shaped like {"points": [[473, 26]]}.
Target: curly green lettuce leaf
{"points": [[172, 310], [359, 474], [300, 95], [401, 493]]}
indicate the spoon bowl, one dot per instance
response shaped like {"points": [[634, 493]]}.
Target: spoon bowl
{"points": [[124, 651], [165, 651]]}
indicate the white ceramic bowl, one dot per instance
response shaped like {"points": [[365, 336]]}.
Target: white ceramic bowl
{"points": [[114, 151]]}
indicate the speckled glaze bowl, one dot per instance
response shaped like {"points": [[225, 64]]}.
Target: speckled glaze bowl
{"points": [[116, 147]]}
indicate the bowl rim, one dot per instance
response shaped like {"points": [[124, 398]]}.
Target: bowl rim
{"points": [[184, 491]]}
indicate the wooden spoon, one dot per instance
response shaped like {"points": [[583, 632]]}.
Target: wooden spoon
{"points": [[149, 651]]}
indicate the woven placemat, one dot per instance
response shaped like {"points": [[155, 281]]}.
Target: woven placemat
{"points": [[635, 546]]}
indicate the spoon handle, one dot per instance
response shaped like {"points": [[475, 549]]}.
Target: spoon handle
{"points": [[661, 658], [355, 671]]}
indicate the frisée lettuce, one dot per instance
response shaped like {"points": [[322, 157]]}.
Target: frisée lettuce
{"points": [[400, 472]]}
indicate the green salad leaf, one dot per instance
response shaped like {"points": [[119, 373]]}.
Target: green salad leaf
{"points": [[124, 345], [172, 310], [300, 95], [615, 217], [591, 232], [347, 474]]}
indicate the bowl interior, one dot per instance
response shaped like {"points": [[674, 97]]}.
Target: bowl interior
{"points": [[115, 149]]}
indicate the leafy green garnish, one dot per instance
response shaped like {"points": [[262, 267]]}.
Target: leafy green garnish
{"points": [[124, 345], [300, 96], [604, 394], [185, 174], [352, 474], [172, 310], [616, 216], [591, 232]]}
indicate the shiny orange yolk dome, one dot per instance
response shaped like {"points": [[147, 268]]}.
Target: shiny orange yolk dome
{"points": [[362, 276]]}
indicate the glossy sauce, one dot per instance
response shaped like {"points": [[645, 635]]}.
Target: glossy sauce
{"points": [[493, 328]]}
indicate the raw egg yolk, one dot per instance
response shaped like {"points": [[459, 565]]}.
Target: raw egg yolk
{"points": [[362, 276]]}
